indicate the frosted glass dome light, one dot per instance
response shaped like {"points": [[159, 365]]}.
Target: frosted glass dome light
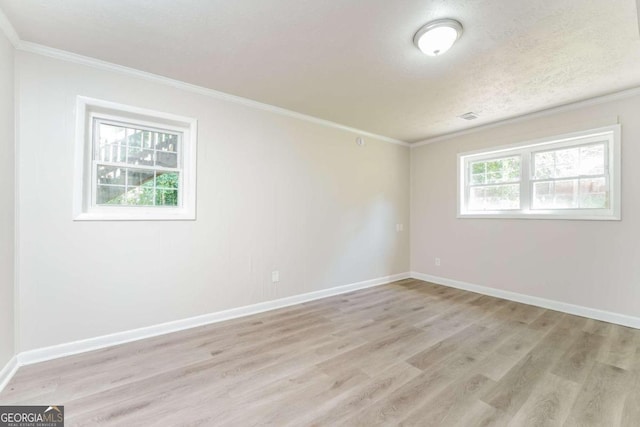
{"points": [[437, 37]]}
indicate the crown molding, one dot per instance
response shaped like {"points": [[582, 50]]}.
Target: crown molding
{"points": [[638, 12], [626, 93], [8, 30], [39, 49]]}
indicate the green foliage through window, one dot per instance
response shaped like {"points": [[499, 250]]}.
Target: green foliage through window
{"points": [[161, 191]]}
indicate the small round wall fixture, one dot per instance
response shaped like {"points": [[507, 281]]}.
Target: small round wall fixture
{"points": [[437, 37]]}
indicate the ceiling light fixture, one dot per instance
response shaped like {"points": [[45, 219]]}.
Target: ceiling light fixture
{"points": [[437, 37]]}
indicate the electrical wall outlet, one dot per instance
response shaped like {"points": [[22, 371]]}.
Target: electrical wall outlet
{"points": [[437, 262], [275, 276], [399, 227]]}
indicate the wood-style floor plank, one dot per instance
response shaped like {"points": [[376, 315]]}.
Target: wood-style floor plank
{"points": [[601, 398], [549, 403], [408, 353], [447, 407], [577, 361], [514, 388]]}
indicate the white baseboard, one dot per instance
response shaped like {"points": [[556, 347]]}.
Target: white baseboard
{"points": [[578, 310], [8, 372], [82, 346]]}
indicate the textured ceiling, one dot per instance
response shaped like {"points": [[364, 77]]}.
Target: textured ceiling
{"points": [[353, 61]]}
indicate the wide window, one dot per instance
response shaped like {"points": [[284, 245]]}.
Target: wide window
{"points": [[575, 176], [136, 164]]}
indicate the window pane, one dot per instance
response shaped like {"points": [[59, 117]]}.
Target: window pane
{"points": [[570, 162], [585, 193], [138, 177], [478, 172], [111, 143], [125, 144], [138, 191], [167, 142], [167, 180], [138, 156], [495, 171], [593, 193], [592, 159], [512, 169], [109, 195], [136, 187], [495, 197], [478, 167], [167, 197], [477, 179], [544, 164], [134, 196], [134, 138], [494, 177], [542, 195], [139, 196], [566, 194], [567, 162], [111, 175], [166, 159], [147, 139], [555, 194]]}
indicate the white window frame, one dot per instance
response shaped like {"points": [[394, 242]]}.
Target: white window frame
{"points": [[610, 135], [88, 112]]}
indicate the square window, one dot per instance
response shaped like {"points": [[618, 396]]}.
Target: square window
{"points": [[494, 184], [133, 164], [570, 178]]}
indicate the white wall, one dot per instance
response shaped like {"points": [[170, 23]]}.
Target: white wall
{"points": [[594, 264], [274, 192], [7, 196]]}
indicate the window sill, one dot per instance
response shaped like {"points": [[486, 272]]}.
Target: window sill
{"points": [[136, 216], [571, 217]]}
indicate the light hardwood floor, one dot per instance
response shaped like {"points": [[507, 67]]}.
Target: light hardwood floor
{"points": [[409, 353]]}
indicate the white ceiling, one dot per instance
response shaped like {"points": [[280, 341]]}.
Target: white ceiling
{"points": [[353, 61]]}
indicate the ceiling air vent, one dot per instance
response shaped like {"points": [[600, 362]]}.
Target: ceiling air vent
{"points": [[469, 116]]}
